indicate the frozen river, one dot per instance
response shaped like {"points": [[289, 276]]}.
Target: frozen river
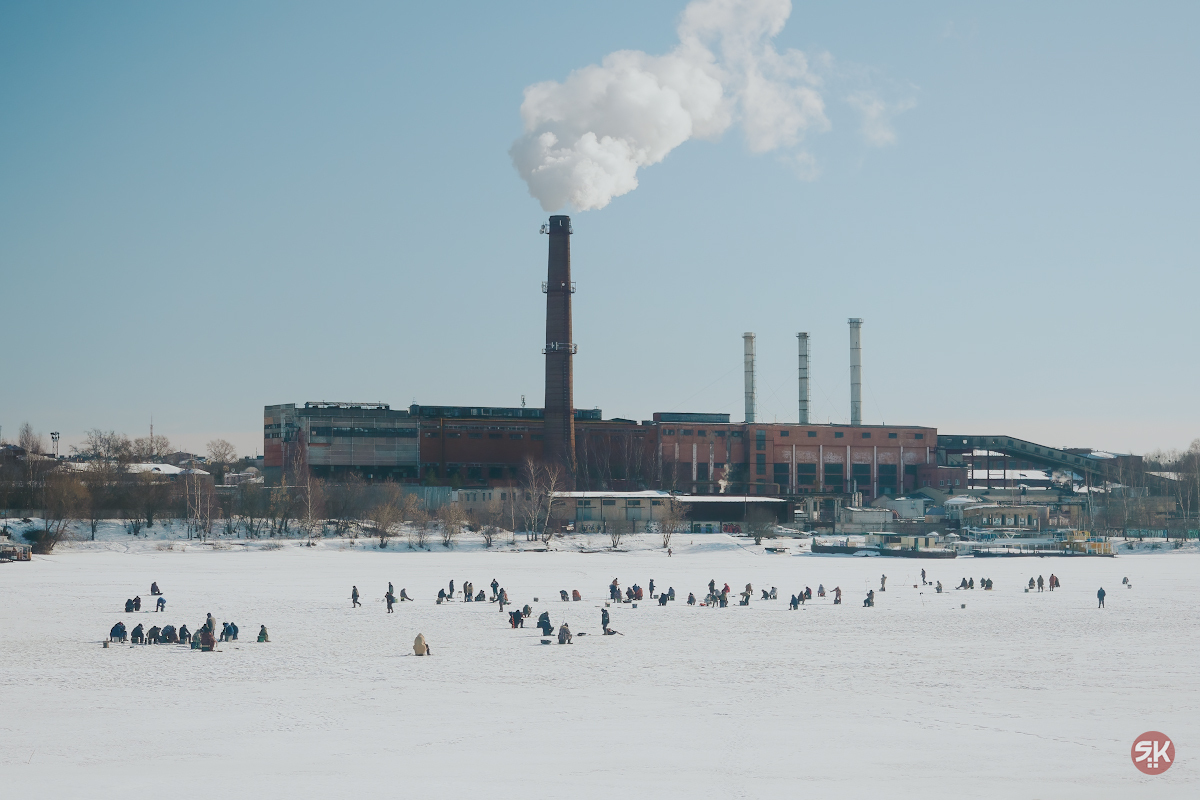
{"points": [[1018, 695]]}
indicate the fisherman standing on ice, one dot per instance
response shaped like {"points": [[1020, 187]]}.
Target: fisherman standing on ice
{"points": [[354, 597], [389, 598], [614, 591], [495, 588], [1100, 597], [883, 583], [604, 620]]}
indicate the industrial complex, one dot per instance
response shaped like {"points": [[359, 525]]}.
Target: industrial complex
{"points": [[816, 469]]}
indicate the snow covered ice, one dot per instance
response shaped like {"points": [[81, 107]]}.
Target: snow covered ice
{"points": [[1019, 695]]}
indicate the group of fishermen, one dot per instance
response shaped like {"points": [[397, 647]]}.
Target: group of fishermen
{"points": [[135, 604], [204, 638]]}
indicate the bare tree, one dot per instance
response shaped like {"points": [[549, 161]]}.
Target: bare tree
{"points": [[489, 520], [343, 503], [63, 496], [761, 523], [386, 514], [253, 501], [105, 446], [672, 515], [32, 443], [617, 528], [151, 449], [451, 517]]}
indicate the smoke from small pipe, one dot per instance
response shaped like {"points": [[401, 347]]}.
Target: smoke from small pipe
{"points": [[585, 138]]}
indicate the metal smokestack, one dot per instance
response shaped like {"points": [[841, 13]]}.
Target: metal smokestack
{"points": [[748, 340], [802, 339], [855, 371], [559, 420]]}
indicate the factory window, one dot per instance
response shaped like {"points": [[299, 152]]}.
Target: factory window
{"points": [[585, 503], [782, 474], [919, 436], [496, 472], [891, 436], [701, 433], [735, 434], [720, 433], [838, 434], [432, 435], [656, 502], [956, 481], [473, 435], [812, 434], [861, 475], [760, 464], [608, 502], [785, 433], [629, 503], [668, 432], [474, 473], [806, 474], [702, 472], [453, 435], [719, 465], [516, 436], [495, 435], [866, 436], [834, 477], [537, 437], [685, 433], [941, 483]]}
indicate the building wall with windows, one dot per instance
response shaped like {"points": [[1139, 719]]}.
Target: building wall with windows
{"points": [[792, 459]]}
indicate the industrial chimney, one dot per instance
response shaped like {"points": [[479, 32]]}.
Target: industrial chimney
{"points": [[802, 339], [855, 371], [748, 340], [559, 443]]}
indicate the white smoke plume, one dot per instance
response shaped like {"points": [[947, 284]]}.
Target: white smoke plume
{"points": [[585, 138]]}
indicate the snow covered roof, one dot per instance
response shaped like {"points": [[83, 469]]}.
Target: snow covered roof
{"points": [[656, 494]]}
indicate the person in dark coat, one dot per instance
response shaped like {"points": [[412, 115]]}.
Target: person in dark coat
{"points": [[604, 620], [450, 593], [652, 587], [495, 588], [837, 595], [154, 589], [233, 630], [389, 598], [1100, 597], [137, 603], [185, 635], [129, 606], [671, 594], [794, 603], [869, 602], [481, 597], [161, 605], [169, 635], [614, 591], [544, 623], [562, 593], [154, 635], [404, 595], [354, 597], [262, 634], [662, 599], [564, 634], [1040, 583], [138, 636], [441, 596], [117, 634], [691, 598]]}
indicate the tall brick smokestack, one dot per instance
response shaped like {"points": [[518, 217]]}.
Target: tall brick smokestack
{"points": [[559, 444]]}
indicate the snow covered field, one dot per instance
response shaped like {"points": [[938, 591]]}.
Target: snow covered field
{"points": [[1019, 695]]}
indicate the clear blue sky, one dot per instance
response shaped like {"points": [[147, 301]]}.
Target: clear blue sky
{"points": [[205, 208]]}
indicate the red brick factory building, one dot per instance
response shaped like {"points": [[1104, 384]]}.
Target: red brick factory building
{"points": [[477, 446]]}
